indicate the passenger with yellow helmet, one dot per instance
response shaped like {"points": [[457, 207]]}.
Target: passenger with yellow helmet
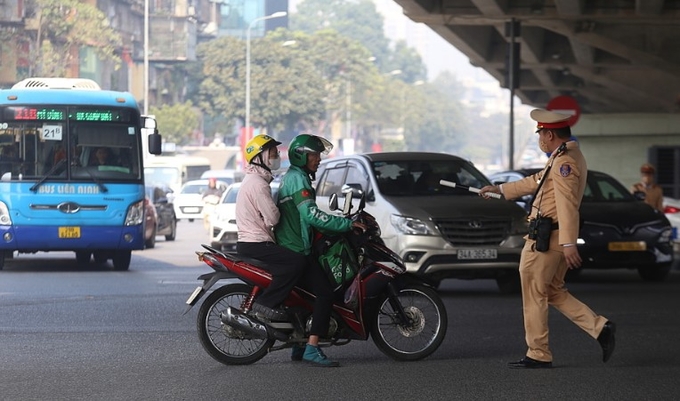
{"points": [[256, 216]]}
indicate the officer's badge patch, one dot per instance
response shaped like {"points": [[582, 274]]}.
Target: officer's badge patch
{"points": [[565, 170]]}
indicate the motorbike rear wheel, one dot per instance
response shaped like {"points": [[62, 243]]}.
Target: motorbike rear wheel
{"points": [[222, 342], [424, 331]]}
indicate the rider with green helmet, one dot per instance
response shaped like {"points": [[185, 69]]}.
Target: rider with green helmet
{"points": [[299, 217]]}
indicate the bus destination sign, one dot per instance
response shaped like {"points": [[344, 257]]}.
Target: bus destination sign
{"points": [[34, 114]]}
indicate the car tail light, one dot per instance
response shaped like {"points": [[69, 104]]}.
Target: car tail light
{"points": [[671, 209]]}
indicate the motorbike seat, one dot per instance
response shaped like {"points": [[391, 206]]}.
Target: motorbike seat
{"points": [[237, 257]]}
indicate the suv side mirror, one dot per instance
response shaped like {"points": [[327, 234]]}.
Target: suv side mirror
{"points": [[639, 195]]}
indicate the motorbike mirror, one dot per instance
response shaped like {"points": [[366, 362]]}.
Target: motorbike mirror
{"points": [[356, 189], [347, 206], [639, 195], [333, 202]]}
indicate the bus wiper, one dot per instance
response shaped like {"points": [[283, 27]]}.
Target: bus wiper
{"points": [[96, 181], [47, 175]]}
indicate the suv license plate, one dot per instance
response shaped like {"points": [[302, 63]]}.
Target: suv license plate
{"points": [[477, 254]]}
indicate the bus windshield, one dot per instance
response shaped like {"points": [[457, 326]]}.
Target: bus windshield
{"points": [[70, 143]]}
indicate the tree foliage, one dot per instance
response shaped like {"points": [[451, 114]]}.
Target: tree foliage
{"points": [[176, 123], [64, 26], [354, 19]]}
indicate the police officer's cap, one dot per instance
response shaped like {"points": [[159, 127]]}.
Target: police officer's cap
{"points": [[549, 119]]}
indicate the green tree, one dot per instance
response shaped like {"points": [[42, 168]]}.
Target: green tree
{"points": [[354, 19], [176, 123], [408, 61], [65, 25]]}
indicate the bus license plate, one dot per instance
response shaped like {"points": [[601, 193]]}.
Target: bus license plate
{"points": [[627, 246], [477, 254], [69, 232]]}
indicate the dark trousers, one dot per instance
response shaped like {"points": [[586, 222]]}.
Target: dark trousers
{"points": [[285, 266], [315, 280]]}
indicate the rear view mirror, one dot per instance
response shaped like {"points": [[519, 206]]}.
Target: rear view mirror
{"points": [[347, 207], [333, 202]]}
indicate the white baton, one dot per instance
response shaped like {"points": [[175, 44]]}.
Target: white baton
{"points": [[471, 189]]}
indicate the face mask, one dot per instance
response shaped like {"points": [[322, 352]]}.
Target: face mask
{"points": [[272, 163]]}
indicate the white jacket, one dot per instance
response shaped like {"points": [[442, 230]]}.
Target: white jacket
{"points": [[256, 212]]}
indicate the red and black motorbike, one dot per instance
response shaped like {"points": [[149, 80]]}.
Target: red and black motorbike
{"points": [[405, 316]]}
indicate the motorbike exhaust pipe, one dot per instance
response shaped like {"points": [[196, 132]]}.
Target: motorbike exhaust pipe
{"points": [[245, 323]]}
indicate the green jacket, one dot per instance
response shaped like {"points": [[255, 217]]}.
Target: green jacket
{"points": [[299, 213]]}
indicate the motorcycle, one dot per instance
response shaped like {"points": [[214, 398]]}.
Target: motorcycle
{"points": [[404, 316]]}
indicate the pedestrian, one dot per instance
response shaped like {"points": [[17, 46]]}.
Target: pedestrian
{"points": [[300, 217], [653, 193], [256, 216], [550, 248]]}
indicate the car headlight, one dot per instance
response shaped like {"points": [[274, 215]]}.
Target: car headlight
{"points": [[135, 214], [410, 225], [666, 235], [5, 219]]}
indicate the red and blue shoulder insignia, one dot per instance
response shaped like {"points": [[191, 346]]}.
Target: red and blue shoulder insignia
{"points": [[565, 170]]}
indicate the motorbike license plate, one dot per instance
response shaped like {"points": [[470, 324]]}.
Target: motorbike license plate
{"points": [[194, 295], [477, 254], [627, 246], [69, 232]]}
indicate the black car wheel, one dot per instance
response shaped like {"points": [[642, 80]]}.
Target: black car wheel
{"points": [[173, 231]]}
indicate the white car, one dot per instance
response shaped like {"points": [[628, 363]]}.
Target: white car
{"points": [[223, 230], [189, 203], [671, 207]]}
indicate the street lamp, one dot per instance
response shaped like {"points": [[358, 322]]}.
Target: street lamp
{"points": [[252, 23]]}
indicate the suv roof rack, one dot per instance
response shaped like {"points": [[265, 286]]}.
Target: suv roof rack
{"points": [[57, 83]]}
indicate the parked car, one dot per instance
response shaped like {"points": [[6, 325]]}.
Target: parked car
{"points": [[440, 232], [150, 223], [161, 198], [188, 203], [228, 176], [617, 230], [223, 230], [671, 207]]}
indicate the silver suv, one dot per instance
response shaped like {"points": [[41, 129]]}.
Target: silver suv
{"points": [[440, 232]]}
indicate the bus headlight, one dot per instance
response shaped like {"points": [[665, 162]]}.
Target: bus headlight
{"points": [[135, 214], [5, 219]]}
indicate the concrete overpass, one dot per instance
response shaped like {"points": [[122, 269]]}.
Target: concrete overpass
{"points": [[619, 59]]}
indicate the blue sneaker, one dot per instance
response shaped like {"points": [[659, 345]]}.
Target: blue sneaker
{"points": [[296, 352], [315, 356]]}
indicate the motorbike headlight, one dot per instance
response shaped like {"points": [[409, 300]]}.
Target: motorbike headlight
{"points": [[410, 225]]}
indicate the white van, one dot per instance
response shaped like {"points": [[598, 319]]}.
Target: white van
{"points": [[174, 171]]}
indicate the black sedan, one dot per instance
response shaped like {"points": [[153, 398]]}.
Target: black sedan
{"points": [[617, 230], [161, 198]]}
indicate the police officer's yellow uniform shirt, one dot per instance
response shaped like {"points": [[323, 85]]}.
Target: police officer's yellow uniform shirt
{"points": [[560, 196]]}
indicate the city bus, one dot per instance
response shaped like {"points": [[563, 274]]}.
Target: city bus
{"points": [[71, 170]]}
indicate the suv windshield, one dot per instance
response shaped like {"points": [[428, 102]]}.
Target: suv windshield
{"points": [[603, 188], [410, 178]]}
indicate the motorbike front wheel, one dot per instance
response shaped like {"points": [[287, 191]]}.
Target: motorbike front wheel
{"points": [[422, 332], [222, 342]]}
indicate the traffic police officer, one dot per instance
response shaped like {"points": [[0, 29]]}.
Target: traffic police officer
{"points": [[542, 271]]}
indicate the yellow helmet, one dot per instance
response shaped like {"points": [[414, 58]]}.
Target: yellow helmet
{"points": [[259, 144]]}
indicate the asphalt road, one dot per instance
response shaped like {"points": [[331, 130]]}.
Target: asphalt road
{"points": [[69, 334]]}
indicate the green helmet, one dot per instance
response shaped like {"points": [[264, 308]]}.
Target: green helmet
{"points": [[303, 144]]}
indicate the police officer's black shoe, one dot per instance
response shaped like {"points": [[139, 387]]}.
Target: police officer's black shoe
{"points": [[529, 363], [607, 340]]}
